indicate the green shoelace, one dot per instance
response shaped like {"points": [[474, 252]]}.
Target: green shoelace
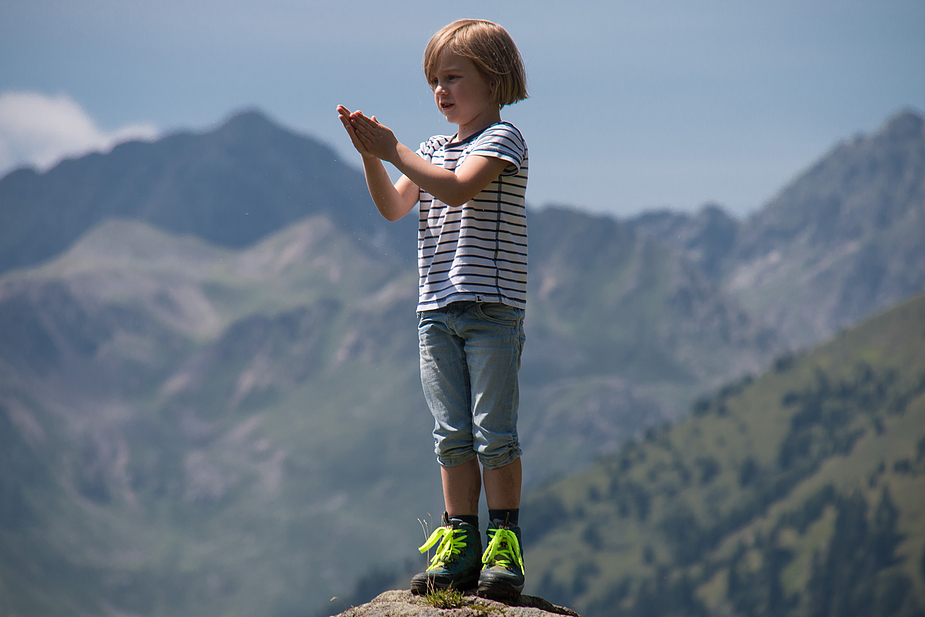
{"points": [[450, 545], [503, 550]]}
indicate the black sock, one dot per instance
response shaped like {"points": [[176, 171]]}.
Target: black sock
{"points": [[471, 519], [511, 516]]}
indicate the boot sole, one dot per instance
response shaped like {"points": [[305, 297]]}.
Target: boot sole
{"points": [[500, 591], [422, 586]]}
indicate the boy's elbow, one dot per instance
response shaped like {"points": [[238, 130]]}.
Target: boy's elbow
{"points": [[457, 200], [393, 213], [460, 197], [389, 215]]}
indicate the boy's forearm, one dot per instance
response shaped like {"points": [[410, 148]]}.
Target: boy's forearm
{"points": [[453, 188], [439, 182], [384, 194]]}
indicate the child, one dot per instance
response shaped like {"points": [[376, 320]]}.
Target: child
{"points": [[472, 260]]}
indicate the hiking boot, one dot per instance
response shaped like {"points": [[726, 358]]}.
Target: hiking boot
{"points": [[456, 563], [502, 576]]}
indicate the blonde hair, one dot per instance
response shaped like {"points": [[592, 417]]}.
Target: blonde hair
{"points": [[490, 48]]}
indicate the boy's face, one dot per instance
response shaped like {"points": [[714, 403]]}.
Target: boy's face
{"points": [[463, 95]]}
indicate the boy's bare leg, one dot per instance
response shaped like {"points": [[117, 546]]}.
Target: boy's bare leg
{"points": [[462, 485], [502, 486]]}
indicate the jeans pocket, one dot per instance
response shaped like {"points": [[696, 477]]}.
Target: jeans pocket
{"points": [[498, 313]]}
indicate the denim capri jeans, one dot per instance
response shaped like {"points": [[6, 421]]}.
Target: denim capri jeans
{"points": [[470, 358]]}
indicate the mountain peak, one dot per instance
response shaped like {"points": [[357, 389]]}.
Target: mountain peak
{"points": [[250, 121], [231, 186], [907, 122]]}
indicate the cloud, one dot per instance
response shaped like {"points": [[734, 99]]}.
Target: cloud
{"points": [[39, 130]]}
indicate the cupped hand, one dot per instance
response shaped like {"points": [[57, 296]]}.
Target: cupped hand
{"points": [[377, 139], [344, 115]]}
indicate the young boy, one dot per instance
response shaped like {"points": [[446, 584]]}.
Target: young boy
{"points": [[472, 260]]}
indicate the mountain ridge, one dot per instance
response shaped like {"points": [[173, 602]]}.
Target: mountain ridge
{"points": [[861, 208], [837, 244], [231, 186]]}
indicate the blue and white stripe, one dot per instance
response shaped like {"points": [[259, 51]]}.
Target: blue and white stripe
{"points": [[476, 252]]}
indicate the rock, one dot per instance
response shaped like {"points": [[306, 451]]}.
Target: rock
{"points": [[404, 604]]}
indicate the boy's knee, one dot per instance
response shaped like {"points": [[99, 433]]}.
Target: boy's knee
{"points": [[454, 459], [453, 449], [500, 457]]}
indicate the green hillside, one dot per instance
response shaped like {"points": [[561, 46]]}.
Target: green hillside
{"points": [[800, 492]]}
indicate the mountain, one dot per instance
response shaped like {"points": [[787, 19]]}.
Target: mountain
{"points": [[707, 238], [839, 243], [799, 492], [207, 412], [231, 186]]}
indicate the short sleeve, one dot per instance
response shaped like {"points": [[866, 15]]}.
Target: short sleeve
{"points": [[428, 148], [504, 141]]}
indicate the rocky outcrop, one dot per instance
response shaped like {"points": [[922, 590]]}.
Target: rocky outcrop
{"points": [[404, 604]]}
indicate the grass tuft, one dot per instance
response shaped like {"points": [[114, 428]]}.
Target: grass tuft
{"points": [[447, 598]]}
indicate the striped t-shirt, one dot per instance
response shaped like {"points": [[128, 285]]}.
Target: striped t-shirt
{"points": [[476, 252]]}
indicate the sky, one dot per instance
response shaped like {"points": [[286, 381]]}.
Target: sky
{"points": [[634, 104]]}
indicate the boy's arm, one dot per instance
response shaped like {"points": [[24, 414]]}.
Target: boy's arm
{"points": [[452, 188], [392, 201]]}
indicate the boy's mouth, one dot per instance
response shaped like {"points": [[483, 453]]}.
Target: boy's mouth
{"points": [[445, 106]]}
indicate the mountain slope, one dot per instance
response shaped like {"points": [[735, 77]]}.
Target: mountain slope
{"points": [[799, 492], [842, 241], [839, 243], [622, 334], [708, 237]]}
